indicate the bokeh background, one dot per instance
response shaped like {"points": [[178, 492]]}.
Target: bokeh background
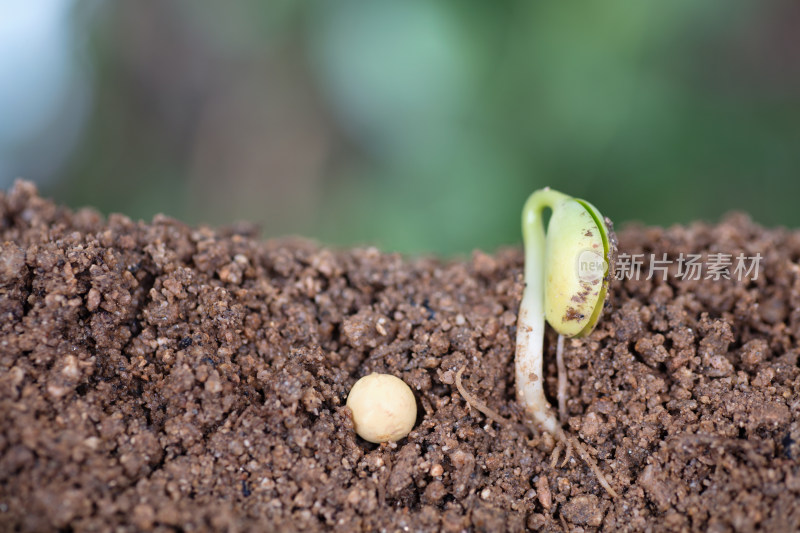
{"points": [[416, 125]]}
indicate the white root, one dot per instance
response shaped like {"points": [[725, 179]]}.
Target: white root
{"points": [[563, 440], [589, 460], [530, 385], [478, 404], [567, 455], [562, 380]]}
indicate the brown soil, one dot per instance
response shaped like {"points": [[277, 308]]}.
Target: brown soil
{"points": [[160, 377]]}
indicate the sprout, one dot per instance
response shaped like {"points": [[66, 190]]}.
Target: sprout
{"points": [[566, 280], [383, 406]]}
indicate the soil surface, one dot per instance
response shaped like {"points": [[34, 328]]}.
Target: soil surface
{"points": [[168, 378]]}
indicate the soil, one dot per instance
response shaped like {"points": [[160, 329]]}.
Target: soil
{"points": [[168, 378]]}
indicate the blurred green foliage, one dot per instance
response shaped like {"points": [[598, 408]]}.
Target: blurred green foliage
{"points": [[422, 126]]}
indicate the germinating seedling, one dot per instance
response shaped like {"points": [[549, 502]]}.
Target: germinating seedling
{"points": [[566, 281]]}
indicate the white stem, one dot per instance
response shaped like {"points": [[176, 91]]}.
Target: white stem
{"points": [[530, 324], [529, 375]]}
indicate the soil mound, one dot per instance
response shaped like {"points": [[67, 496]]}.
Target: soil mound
{"points": [[162, 377]]}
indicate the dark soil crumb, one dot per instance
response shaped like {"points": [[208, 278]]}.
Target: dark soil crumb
{"points": [[167, 378]]}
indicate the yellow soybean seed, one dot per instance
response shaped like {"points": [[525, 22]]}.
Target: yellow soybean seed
{"points": [[383, 406]]}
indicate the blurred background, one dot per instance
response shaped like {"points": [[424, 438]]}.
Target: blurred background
{"points": [[416, 125]]}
